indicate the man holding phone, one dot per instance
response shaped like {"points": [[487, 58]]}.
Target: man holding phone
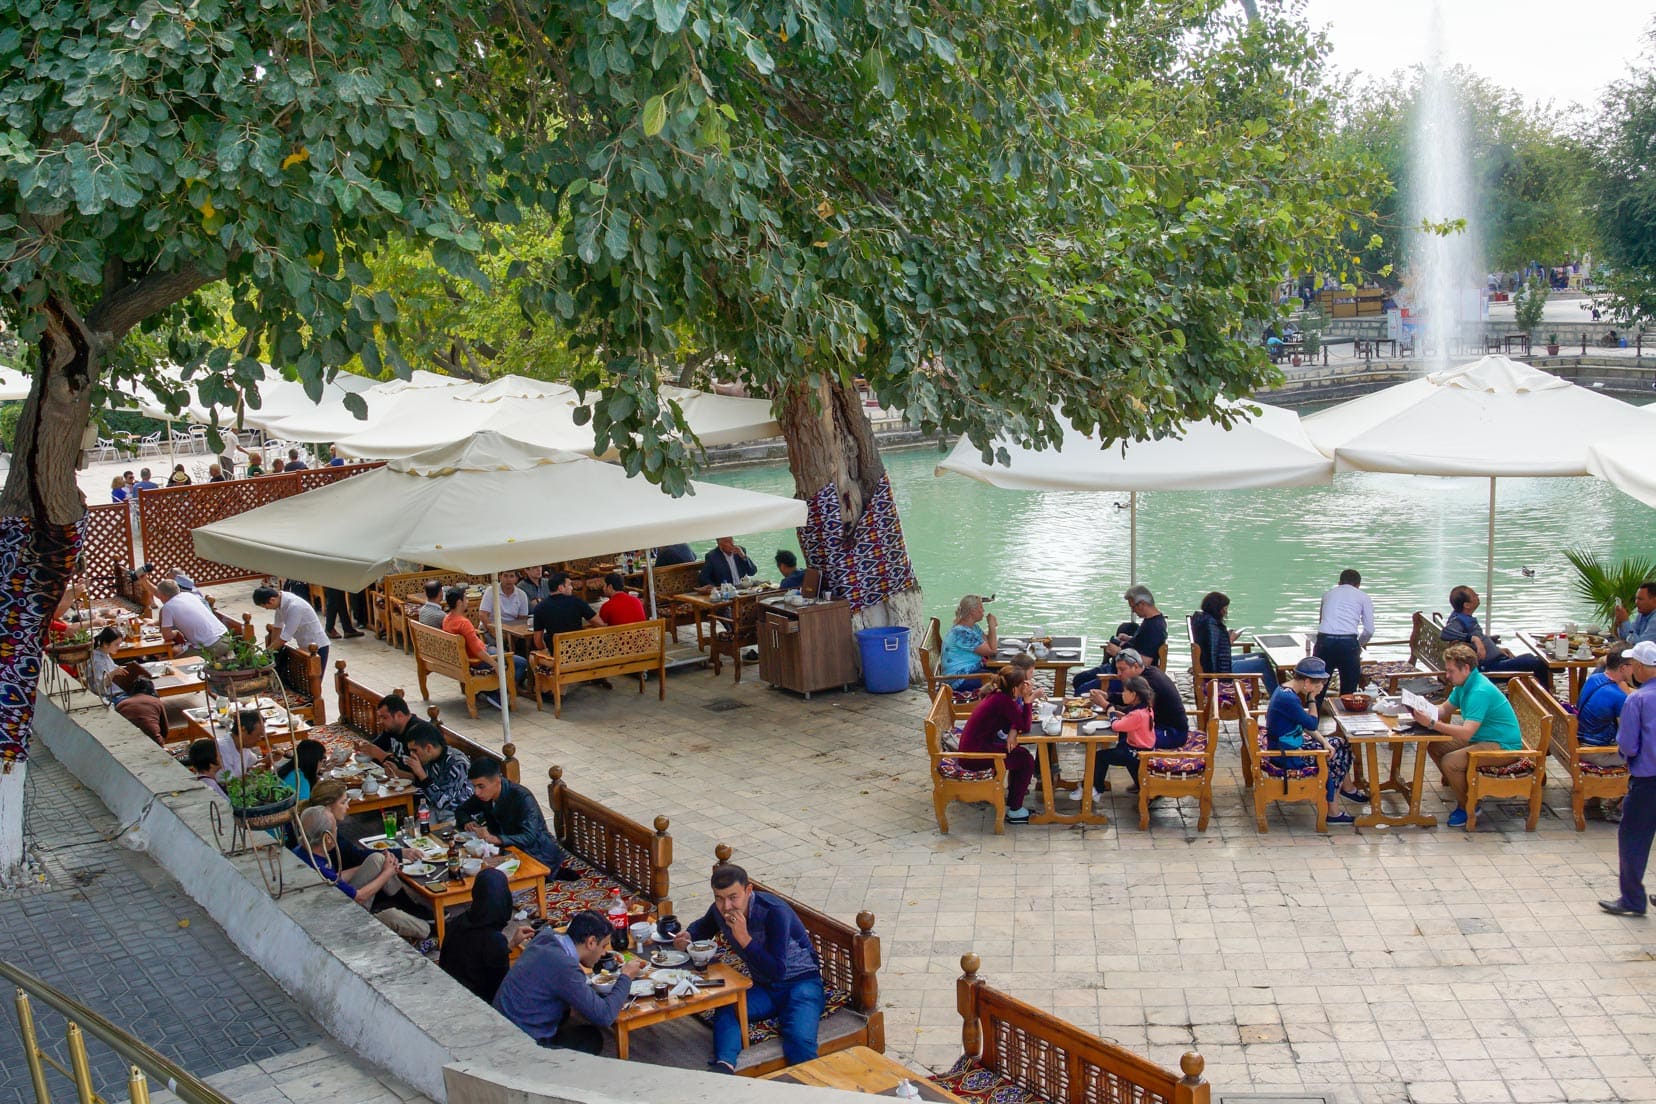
{"points": [[787, 975], [1639, 627]]}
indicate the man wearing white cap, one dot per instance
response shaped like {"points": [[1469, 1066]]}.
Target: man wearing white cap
{"points": [[1636, 739]]}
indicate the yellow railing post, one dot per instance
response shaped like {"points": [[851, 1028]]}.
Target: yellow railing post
{"points": [[137, 1087], [82, 1069], [31, 1049]]}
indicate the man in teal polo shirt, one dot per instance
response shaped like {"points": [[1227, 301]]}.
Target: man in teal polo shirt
{"points": [[1487, 724]]}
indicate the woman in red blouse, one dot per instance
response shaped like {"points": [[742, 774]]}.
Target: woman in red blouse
{"points": [[994, 726]]}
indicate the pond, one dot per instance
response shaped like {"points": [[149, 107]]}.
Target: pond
{"points": [[1059, 560]]}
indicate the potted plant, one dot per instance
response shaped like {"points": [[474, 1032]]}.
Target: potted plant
{"points": [[1552, 344], [1607, 584], [242, 666], [1311, 345], [259, 799], [72, 648]]}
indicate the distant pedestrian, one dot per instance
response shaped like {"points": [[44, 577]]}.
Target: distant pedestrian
{"points": [[1636, 739]]}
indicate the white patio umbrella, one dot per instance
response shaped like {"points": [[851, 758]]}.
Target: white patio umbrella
{"points": [[1628, 464], [386, 402], [1493, 417], [14, 385], [1269, 449], [482, 506]]}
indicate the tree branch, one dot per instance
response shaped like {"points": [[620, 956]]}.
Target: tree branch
{"points": [[117, 313]]}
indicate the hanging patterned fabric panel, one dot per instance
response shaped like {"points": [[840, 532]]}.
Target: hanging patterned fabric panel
{"points": [[871, 564], [35, 562]]}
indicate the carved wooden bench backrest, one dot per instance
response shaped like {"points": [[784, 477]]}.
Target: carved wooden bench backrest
{"points": [[442, 652], [1056, 1060], [939, 719], [358, 709], [1426, 643], [575, 651], [677, 578], [1535, 720], [618, 845]]}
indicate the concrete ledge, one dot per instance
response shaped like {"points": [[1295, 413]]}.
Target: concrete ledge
{"points": [[370, 989]]}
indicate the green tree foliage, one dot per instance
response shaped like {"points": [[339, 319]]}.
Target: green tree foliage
{"points": [[1625, 187], [1528, 172]]}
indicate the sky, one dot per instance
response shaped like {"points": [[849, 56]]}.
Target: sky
{"points": [[1563, 53]]}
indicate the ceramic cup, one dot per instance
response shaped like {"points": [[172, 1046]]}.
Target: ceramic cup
{"points": [[641, 936]]}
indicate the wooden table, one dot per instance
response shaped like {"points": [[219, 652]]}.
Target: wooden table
{"points": [[1284, 649], [385, 799], [447, 893], [178, 682], [706, 605], [1370, 743], [860, 1069], [647, 1011], [1046, 751], [150, 646], [1076, 656], [201, 724], [1575, 669]]}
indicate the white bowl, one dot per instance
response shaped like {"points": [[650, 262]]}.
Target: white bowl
{"points": [[703, 953], [471, 867]]}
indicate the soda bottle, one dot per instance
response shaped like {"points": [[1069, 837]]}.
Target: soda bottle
{"points": [[617, 911], [424, 817]]}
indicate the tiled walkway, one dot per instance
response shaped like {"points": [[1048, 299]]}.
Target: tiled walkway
{"points": [[1428, 965], [107, 926]]}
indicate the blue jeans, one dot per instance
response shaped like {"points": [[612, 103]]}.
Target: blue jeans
{"points": [[1256, 665], [797, 1007]]}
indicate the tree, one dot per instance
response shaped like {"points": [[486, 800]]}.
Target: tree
{"points": [[151, 150], [1003, 216], [1626, 191]]}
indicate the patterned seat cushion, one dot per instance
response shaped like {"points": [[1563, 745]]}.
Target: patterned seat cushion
{"points": [[1515, 769], [1172, 764], [954, 772], [761, 1030], [337, 738], [969, 1080], [1603, 766], [1273, 766], [1378, 671], [1227, 693], [563, 899]]}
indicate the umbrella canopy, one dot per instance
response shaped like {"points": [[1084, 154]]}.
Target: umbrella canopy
{"points": [[13, 384], [1268, 449], [387, 402], [536, 413], [481, 505], [1628, 464], [1493, 417]]}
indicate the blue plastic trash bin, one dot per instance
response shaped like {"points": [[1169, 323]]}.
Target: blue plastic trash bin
{"points": [[885, 658]]}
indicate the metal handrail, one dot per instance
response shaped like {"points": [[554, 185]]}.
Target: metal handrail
{"points": [[183, 1084]]}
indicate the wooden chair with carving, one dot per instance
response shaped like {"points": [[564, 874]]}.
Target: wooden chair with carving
{"points": [[1267, 774], [931, 666], [1185, 771], [951, 781], [1496, 774], [733, 631], [1596, 771]]}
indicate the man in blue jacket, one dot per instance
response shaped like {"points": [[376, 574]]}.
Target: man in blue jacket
{"points": [[787, 975], [547, 983]]}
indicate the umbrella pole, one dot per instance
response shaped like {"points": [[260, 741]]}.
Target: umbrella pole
{"points": [[1489, 564], [502, 659], [649, 580], [172, 458], [1132, 538]]}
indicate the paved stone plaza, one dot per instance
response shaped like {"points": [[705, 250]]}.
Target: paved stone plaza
{"points": [[1424, 966], [108, 927]]}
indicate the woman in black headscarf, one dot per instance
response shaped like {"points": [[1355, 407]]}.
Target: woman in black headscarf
{"points": [[477, 949]]}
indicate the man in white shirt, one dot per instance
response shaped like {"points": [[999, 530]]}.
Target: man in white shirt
{"points": [[1344, 625], [296, 621], [188, 622], [514, 603]]}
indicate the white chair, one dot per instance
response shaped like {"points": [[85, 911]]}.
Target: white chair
{"points": [[104, 449], [198, 438], [150, 445]]}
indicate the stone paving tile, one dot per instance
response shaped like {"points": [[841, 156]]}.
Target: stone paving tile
{"points": [[108, 927], [1379, 965]]}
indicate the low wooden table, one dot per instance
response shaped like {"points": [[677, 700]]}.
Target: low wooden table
{"points": [[1075, 655], [1369, 743], [1284, 649], [280, 733], [149, 647], [1046, 752], [705, 604], [647, 1011], [1576, 670], [177, 683], [444, 895], [860, 1069], [519, 635]]}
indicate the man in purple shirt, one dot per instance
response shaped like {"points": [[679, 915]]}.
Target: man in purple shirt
{"points": [[1636, 739]]}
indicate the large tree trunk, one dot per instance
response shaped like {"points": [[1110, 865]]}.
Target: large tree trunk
{"points": [[852, 533], [40, 511]]}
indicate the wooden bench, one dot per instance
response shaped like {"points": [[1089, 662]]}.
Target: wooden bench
{"points": [[1525, 778], [1595, 772], [953, 782], [1426, 648], [242, 628], [671, 581], [1036, 1058], [300, 670], [358, 717], [617, 847], [586, 655], [440, 653], [850, 960], [394, 590]]}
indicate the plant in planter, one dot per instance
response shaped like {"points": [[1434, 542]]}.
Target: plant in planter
{"points": [[1552, 344], [243, 665], [259, 798], [1311, 345], [1605, 584], [71, 647]]}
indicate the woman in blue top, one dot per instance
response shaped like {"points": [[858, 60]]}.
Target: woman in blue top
{"points": [[965, 646], [1598, 717], [1289, 727], [1487, 724], [301, 772]]}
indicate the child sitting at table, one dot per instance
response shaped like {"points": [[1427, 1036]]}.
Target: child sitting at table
{"points": [[1135, 724]]}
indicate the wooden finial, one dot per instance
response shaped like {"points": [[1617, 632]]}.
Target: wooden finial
{"points": [[508, 751], [555, 773], [661, 825], [865, 922], [1192, 1064], [722, 853], [969, 964], [339, 665]]}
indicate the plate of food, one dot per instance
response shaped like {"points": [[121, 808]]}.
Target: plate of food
{"points": [[429, 846], [377, 843], [508, 867], [643, 987], [664, 958], [418, 869], [1078, 712]]}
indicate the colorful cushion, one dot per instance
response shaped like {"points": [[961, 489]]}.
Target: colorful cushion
{"points": [[1514, 769], [1273, 766], [1602, 765], [1378, 671], [952, 770], [337, 738], [969, 1080], [1227, 693], [1173, 765]]}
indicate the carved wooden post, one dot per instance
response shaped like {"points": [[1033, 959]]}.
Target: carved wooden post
{"points": [[339, 690], [971, 1033], [865, 950], [508, 761], [554, 790], [1192, 1088], [661, 857]]}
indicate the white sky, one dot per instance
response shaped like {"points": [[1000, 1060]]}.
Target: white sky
{"points": [[1544, 51]]}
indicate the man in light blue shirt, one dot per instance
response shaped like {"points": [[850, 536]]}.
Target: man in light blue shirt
{"points": [[1638, 627], [547, 983]]}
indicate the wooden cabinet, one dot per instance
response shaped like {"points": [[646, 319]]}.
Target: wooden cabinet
{"points": [[807, 648]]}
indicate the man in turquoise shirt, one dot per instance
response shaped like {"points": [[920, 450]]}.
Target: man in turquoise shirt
{"points": [[1487, 724]]}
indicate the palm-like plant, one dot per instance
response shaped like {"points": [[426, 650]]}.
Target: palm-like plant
{"points": [[1607, 584]]}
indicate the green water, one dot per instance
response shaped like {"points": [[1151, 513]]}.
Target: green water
{"points": [[1059, 560]]}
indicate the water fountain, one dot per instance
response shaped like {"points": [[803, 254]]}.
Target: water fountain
{"points": [[1446, 268]]}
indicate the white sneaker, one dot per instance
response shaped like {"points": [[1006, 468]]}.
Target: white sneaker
{"points": [[1017, 816], [1098, 797]]}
